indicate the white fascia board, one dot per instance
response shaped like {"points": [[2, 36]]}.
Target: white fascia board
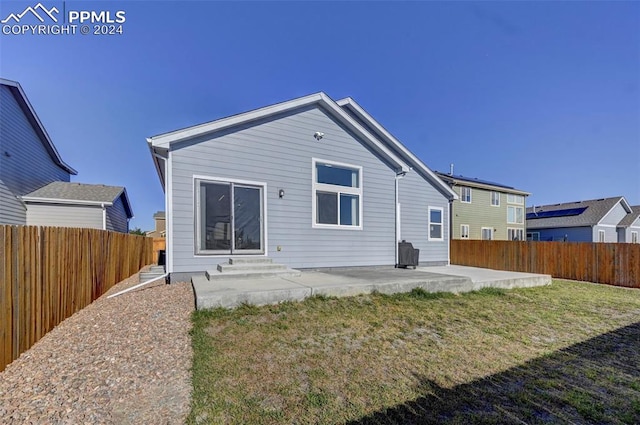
{"points": [[165, 140], [65, 201], [458, 182], [159, 157], [392, 140]]}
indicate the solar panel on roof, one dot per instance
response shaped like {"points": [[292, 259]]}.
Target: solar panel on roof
{"points": [[556, 213]]}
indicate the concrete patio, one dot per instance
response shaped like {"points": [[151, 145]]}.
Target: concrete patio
{"points": [[233, 291]]}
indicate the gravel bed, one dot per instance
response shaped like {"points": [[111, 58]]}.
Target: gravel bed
{"points": [[123, 360]]}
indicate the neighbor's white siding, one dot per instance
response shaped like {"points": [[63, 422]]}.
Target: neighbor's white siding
{"points": [[64, 215]]}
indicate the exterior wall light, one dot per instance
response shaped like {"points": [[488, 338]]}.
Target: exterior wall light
{"points": [[281, 193]]}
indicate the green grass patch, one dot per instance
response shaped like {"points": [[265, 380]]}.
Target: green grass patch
{"points": [[563, 353]]}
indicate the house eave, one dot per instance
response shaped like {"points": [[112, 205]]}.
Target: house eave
{"points": [[321, 99], [390, 139], [34, 199]]}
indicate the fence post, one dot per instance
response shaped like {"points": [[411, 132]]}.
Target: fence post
{"points": [[15, 311]]}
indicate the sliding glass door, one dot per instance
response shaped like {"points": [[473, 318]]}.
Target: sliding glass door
{"points": [[230, 218]]}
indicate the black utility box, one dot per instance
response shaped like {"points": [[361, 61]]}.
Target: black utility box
{"points": [[407, 255], [161, 257]]}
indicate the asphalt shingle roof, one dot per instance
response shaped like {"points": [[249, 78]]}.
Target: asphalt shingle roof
{"points": [[595, 210], [78, 192], [629, 219]]}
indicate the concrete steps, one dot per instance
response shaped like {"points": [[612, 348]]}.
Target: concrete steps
{"points": [[152, 273], [253, 280], [249, 268]]}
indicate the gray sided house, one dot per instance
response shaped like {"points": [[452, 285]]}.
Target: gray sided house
{"points": [[28, 158], [64, 204], [629, 226], [309, 183], [595, 220]]}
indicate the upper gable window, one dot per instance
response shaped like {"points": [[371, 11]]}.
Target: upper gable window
{"points": [[465, 194], [337, 195]]}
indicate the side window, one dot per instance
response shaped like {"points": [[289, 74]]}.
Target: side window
{"points": [[435, 224]]}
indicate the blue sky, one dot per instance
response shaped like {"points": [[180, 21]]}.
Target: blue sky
{"points": [[543, 96]]}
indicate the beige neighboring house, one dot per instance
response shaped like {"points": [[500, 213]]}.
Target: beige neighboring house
{"points": [[486, 210], [161, 226]]}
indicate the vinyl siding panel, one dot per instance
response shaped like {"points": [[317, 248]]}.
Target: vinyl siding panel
{"points": [[279, 153], [12, 210], [573, 234], [480, 213], [416, 196], [64, 215], [117, 217], [29, 165]]}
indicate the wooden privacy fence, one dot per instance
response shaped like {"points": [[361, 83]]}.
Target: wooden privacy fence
{"points": [[49, 273], [610, 263]]}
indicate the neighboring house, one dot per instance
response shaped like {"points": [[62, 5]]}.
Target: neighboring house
{"points": [[629, 226], [308, 183], [28, 158], [486, 210], [66, 204], [594, 220], [160, 230]]}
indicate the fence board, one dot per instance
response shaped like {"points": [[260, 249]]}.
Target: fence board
{"points": [[608, 263], [49, 273]]}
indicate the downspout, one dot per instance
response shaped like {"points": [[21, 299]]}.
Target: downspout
{"points": [[449, 206], [398, 176], [104, 217]]}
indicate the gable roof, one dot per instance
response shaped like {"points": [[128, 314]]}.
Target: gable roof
{"points": [[388, 148], [363, 116], [631, 218], [30, 113], [454, 179], [80, 194], [572, 214]]}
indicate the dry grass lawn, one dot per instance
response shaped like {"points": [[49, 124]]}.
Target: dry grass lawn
{"points": [[564, 353]]}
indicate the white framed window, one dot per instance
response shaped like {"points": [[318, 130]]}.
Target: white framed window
{"points": [[465, 194], [495, 199], [514, 234], [436, 220], [601, 236], [337, 195], [634, 237], [464, 231], [515, 199], [533, 236], [515, 215], [487, 233]]}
